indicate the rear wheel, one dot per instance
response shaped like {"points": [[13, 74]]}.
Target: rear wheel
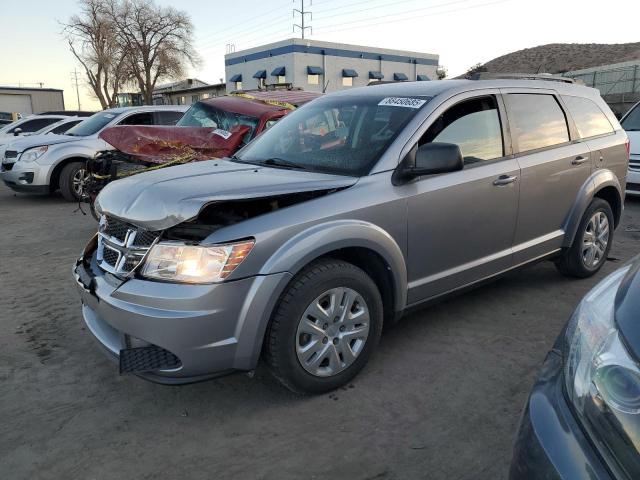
{"points": [[73, 180], [592, 243], [325, 326]]}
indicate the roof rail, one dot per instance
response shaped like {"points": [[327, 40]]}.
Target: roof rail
{"points": [[520, 76]]}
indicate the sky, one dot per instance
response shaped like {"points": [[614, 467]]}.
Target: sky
{"points": [[462, 32]]}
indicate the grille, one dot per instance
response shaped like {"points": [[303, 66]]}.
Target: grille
{"points": [[147, 359], [634, 164], [10, 154], [121, 245], [634, 187]]}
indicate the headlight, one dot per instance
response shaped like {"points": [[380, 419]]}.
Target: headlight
{"points": [[602, 379], [177, 262], [33, 154]]}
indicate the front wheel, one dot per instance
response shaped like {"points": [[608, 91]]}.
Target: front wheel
{"points": [[592, 243], [325, 327], [73, 181]]}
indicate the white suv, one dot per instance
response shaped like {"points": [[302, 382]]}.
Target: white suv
{"points": [[631, 123], [43, 164]]}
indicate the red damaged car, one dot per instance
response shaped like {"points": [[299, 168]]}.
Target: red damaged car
{"points": [[212, 128]]}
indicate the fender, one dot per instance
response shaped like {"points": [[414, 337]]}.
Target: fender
{"points": [[292, 257], [597, 181], [323, 238]]}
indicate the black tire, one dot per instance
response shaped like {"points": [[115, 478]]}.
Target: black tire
{"points": [[572, 262], [67, 174], [281, 337]]}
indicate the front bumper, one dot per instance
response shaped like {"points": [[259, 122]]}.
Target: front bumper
{"points": [[550, 443], [212, 329], [27, 178]]}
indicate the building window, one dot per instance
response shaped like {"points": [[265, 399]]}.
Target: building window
{"points": [[238, 85], [195, 98], [182, 100], [282, 79], [347, 81], [205, 95], [313, 79], [261, 83]]}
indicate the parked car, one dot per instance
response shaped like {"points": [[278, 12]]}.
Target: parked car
{"points": [[582, 419], [346, 213], [44, 164], [631, 123], [27, 125], [58, 128]]}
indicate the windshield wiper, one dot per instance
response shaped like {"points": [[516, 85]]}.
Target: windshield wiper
{"points": [[281, 162]]}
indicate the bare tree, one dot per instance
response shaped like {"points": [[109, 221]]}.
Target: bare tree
{"points": [[94, 43], [158, 41]]}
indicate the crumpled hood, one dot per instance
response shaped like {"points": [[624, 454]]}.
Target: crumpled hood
{"points": [[162, 144], [21, 143], [160, 199]]}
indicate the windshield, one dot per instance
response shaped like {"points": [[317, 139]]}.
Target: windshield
{"points": [[92, 125], [339, 135], [631, 123], [203, 115]]}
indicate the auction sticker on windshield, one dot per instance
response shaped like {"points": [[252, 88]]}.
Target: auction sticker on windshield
{"points": [[222, 133], [402, 102]]}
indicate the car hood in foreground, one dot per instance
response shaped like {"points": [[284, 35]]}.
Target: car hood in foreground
{"points": [[163, 198], [20, 144], [627, 309]]}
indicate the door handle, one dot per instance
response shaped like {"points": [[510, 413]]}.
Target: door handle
{"points": [[579, 160], [504, 180]]}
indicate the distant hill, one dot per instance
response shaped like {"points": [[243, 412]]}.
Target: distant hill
{"points": [[563, 57]]}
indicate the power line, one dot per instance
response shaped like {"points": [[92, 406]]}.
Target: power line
{"points": [[404, 18], [244, 32], [387, 4], [303, 15]]}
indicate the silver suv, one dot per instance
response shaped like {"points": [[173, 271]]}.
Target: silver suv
{"points": [[343, 215]]}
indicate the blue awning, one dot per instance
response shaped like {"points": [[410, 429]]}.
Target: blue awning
{"points": [[400, 77], [236, 78], [348, 72], [278, 72], [375, 75], [260, 74], [314, 70], [423, 78]]}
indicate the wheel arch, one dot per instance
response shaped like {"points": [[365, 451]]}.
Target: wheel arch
{"points": [[601, 184], [54, 179]]}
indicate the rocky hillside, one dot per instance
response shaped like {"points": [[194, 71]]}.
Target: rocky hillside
{"points": [[563, 57]]}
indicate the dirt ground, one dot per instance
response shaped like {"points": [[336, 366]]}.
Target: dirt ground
{"points": [[440, 399]]}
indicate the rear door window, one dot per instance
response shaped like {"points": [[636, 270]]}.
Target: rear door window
{"points": [[473, 125], [60, 129], [589, 119], [536, 120], [145, 118]]}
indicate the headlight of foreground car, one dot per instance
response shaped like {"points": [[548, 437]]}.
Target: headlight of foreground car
{"points": [[176, 262], [32, 154], [602, 380]]}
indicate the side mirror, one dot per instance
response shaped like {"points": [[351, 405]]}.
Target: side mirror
{"points": [[430, 159], [17, 131]]}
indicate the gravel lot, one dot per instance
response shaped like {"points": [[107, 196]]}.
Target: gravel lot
{"points": [[440, 399]]}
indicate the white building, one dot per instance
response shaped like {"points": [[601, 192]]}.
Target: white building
{"points": [[324, 66]]}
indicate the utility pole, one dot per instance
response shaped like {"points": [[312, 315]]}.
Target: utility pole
{"points": [[74, 79], [303, 13]]}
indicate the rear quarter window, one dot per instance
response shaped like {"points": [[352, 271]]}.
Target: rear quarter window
{"points": [[537, 121], [589, 119]]}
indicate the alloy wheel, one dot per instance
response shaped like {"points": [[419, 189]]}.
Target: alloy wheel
{"points": [[332, 332], [595, 240], [79, 182]]}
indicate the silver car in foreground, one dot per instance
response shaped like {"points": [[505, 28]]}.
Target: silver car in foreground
{"points": [[346, 213]]}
